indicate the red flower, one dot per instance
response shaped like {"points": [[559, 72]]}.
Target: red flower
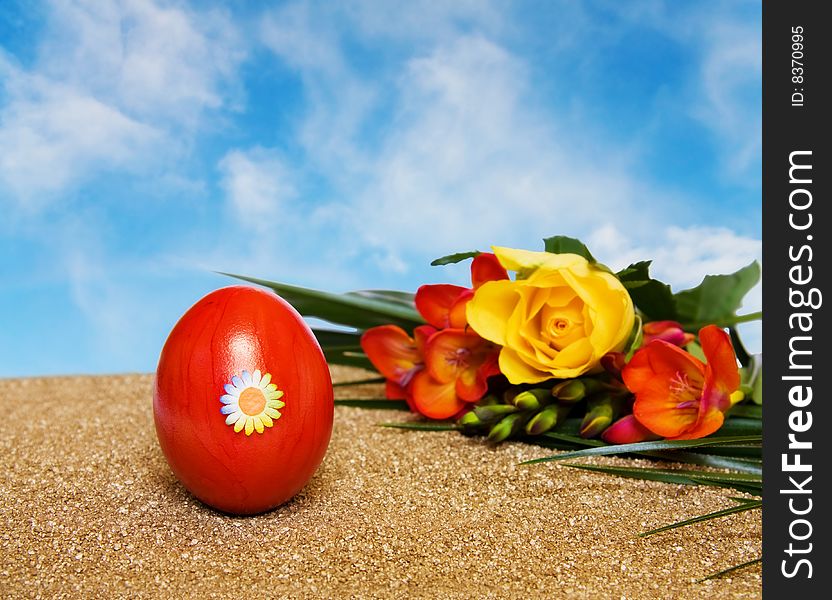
{"points": [[677, 396], [445, 364]]}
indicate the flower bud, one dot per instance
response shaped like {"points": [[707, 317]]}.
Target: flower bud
{"points": [[543, 421], [571, 390], [668, 331], [469, 420], [493, 412], [601, 411], [504, 428], [627, 430], [531, 399]]}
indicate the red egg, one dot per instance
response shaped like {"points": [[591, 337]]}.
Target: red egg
{"points": [[243, 400]]}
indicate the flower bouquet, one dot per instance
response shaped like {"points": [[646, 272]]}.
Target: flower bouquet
{"points": [[556, 349]]}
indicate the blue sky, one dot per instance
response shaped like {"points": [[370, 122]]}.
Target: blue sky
{"points": [[146, 144]]}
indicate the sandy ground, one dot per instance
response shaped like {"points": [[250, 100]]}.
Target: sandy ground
{"points": [[90, 510]]}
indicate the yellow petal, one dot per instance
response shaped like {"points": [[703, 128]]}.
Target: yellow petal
{"points": [[241, 422], [577, 355], [490, 308], [258, 424], [271, 412], [515, 259], [249, 425], [266, 419], [517, 370]]}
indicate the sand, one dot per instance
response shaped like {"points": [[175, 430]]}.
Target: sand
{"points": [[90, 510]]}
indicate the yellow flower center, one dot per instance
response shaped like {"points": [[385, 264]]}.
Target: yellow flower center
{"points": [[558, 326], [252, 401]]}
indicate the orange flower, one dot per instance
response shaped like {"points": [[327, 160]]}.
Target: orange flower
{"points": [[444, 365], [669, 331], [396, 355], [443, 305], [677, 396]]}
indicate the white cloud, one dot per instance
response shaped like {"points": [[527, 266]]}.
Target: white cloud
{"points": [[468, 155], [258, 187], [116, 84], [53, 134], [681, 256], [153, 59]]}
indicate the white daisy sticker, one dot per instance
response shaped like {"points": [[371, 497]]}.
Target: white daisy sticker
{"points": [[251, 402]]}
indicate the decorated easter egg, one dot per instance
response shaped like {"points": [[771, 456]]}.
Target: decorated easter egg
{"points": [[242, 400]]}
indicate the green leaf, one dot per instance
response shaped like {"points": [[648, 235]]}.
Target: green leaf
{"points": [[739, 348], [731, 569], [651, 296], [329, 337], [561, 244], [607, 450], [745, 482], [343, 309], [417, 426], [750, 411], [736, 426], [372, 403], [717, 299], [393, 296], [708, 460], [368, 381], [746, 506], [755, 378], [347, 356], [636, 338], [562, 441], [451, 259]]}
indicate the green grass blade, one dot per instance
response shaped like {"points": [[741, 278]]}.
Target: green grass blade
{"points": [[746, 482], [752, 505], [393, 296], [748, 452], [348, 357], [707, 460], [417, 426], [731, 569], [343, 309], [741, 500], [372, 403], [328, 337], [368, 381], [605, 450]]}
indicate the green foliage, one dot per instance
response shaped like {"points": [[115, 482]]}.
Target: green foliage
{"points": [[452, 259], [743, 507], [344, 309], [561, 244], [640, 447], [651, 296], [717, 298], [745, 482]]}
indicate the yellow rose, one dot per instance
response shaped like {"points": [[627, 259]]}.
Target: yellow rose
{"points": [[557, 322]]}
